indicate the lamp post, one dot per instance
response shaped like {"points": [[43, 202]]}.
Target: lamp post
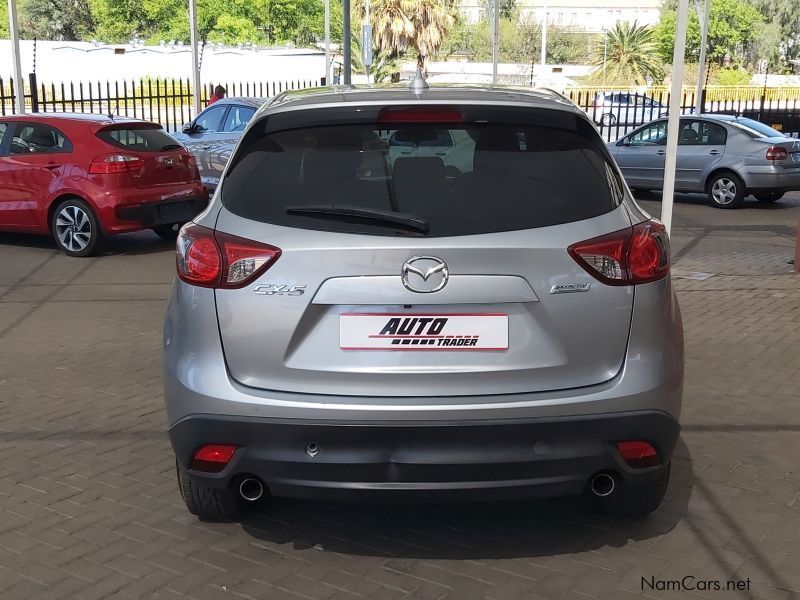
{"points": [[19, 89], [328, 78], [195, 56], [346, 43], [701, 67]]}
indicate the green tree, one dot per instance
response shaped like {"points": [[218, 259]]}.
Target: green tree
{"points": [[733, 25], [779, 39], [627, 56], [55, 19], [4, 33]]}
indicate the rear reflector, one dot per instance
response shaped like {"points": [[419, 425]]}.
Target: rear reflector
{"points": [[632, 256], [115, 163], [212, 458], [638, 455], [777, 153], [420, 115]]}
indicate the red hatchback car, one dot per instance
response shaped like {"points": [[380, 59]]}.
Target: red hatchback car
{"points": [[82, 178]]}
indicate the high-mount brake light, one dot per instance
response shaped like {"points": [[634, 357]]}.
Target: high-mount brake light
{"points": [[209, 258], [429, 114], [631, 256]]}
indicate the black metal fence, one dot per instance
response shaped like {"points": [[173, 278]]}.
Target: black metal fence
{"points": [[168, 102], [616, 112]]}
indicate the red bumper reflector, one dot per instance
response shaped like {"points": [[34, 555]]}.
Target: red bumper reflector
{"points": [[638, 455], [212, 458]]}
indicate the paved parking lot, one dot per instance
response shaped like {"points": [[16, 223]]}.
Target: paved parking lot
{"points": [[89, 506]]}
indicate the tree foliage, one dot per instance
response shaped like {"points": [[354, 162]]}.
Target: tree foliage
{"points": [[627, 55], [733, 25], [779, 39], [55, 19]]}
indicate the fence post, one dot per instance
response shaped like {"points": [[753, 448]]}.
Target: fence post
{"points": [[34, 92]]}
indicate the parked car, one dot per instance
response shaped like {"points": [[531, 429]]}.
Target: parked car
{"points": [[461, 332], [724, 156], [82, 178], [625, 108], [213, 134]]}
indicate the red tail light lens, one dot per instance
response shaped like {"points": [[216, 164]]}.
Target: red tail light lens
{"points": [[638, 454], [212, 458], [777, 153], [627, 257], [115, 163], [191, 162], [420, 115], [219, 260]]}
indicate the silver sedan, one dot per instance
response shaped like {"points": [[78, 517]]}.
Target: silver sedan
{"points": [[723, 156], [213, 135]]}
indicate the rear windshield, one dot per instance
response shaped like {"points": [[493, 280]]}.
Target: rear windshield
{"points": [[756, 128], [459, 179], [139, 139]]}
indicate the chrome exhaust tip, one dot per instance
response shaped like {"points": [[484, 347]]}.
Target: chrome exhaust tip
{"points": [[603, 485], [251, 489]]}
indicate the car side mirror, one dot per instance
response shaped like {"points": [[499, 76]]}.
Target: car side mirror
{"points": [[188, 128], [624, 142]]}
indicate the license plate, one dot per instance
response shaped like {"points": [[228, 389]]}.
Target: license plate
{"points": [[179, 211], [423, 332]]}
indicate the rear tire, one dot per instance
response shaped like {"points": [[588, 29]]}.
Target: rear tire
{"points": [[726, 190], [208, 504], [768, 197], [167, 232], [75, 228], [636, 499]]}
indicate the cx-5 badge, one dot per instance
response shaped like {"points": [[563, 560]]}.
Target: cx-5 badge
{"points": [[272, 289]]}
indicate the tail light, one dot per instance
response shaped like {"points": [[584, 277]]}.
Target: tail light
{"points": [[191, 163], [212, 458], [420, 115], [638, 454], [631, 256], [115, 163], [777, 153], [209, 258]]}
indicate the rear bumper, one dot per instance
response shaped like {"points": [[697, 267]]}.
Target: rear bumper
{"points": [[162, 213], [772, 179], [423, 461]]}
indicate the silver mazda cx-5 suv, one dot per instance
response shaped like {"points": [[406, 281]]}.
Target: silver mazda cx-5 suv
{"points": [[440, 293]]}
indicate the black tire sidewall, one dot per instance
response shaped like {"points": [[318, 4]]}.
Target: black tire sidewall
{"points": [[165, 232], [95, 242], [738, 201]]}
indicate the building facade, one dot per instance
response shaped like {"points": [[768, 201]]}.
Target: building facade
{"points": [[588, 15]]}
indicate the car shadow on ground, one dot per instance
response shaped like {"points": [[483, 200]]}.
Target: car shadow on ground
{"points": [[143, 242], [702, 200], [467, 531]]}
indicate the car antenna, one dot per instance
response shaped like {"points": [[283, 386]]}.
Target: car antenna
{"points": [[116, 110]]}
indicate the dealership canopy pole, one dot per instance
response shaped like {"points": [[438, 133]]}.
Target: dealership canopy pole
{"points": [[346, 42], [703, 16], [328, 79], [19, 83], [673, 122], [195, 56], [495, 38]]}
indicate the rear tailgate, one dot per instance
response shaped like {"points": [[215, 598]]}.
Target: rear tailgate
{"points": [[499, 303]]}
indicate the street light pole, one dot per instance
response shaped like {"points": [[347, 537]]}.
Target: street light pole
{"points": [[195, 56], [701, 67], [495, 38], [328, 80], [19, 84], [346, 49]]}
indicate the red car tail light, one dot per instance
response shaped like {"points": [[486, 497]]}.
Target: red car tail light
{"points": [[777, 153], [115, 163], [191, 162], [212, 458], [627, 257], [219, 260], [638, 454]]}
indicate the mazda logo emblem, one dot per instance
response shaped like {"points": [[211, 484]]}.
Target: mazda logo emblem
{"points": [[424, 274]]}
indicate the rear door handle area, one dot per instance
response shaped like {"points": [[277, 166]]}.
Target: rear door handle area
{"points": [[661, 152], [715, 152], [52, 165]]}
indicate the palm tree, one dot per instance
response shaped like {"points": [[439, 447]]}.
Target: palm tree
{"points": [[627, 56], [419, 24]]}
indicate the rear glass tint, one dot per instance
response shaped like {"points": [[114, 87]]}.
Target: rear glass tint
{"points": [[461, 179], [139, 139]]}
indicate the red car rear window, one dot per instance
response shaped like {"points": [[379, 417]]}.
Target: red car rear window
{"points": [[139, 139]]}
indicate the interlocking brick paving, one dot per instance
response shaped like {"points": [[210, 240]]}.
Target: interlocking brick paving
{"points": [[89, 507]]}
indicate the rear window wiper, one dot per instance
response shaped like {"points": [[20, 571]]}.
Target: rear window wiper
{"points": [[344, 212]]}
